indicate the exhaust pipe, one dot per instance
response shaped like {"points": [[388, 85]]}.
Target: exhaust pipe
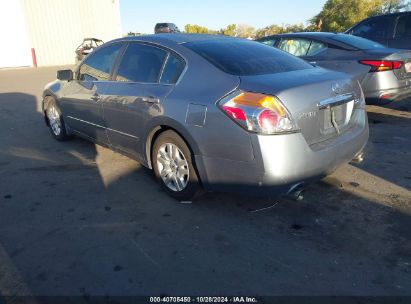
{"points": [[296, 192], [359, 158]]}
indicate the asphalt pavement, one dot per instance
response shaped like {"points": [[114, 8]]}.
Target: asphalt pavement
{"points": [[79, 219]]}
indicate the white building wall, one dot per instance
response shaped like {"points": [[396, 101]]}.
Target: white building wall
{"points": [[56, 27], [15, 47]]}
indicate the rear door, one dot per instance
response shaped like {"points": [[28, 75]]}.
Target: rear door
{"points": [[145, 76], [81, 103], [402, 34]]}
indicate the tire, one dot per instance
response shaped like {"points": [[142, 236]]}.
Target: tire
{"points": [[173, 166], [55, 121]]}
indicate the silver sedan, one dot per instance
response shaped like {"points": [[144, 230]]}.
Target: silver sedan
{"points": [[211, 113], [384, 73]]}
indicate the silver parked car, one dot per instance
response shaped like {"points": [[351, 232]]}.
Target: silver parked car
{"points": [[384, 73], [211, 112]]}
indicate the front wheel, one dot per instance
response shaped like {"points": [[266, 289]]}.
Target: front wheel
{"points": [[173, 166], [56, 123]]}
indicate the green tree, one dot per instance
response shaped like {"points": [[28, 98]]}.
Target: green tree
{"points": [[293, 28], [196, 29], [276, 29], [338, 15], [230, 30], [268, 30], [392, 6], [244, 31]]}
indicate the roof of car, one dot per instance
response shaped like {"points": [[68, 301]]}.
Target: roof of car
{"points": [[305, 34], [325, 37], [178, 38]]}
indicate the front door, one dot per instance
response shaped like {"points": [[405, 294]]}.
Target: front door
{"points": [[83, 96]]}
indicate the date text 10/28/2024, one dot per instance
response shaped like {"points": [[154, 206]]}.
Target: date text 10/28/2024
{"points": [[169, 299]]}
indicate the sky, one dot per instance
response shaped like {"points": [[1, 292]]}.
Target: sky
{"points": [[141, 16]]}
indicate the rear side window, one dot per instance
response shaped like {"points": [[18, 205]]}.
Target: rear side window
{"points": [[403, 26], [302, 47], [296, 46], [172, 70], [141, 63], [242, 57], [316, 47], [99, 64]]}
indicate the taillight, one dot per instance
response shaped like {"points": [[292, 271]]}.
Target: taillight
{"points": [[382, 65], [258, 113], [235, 113]]}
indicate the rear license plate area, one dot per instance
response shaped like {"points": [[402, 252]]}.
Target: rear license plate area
{"points": [[339, 115], [408, 67]]}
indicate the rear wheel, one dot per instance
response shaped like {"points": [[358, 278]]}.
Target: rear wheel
{"points": [[56, 122], [173, 166]]}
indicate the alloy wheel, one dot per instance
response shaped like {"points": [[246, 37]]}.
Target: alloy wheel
{"points": [[54, 119], [173, 167]]}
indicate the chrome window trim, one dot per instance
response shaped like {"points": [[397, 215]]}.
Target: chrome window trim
{"points": [[163, 67]]}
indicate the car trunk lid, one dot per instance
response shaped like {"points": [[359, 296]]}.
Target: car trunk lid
{"points": [[321, 102]]}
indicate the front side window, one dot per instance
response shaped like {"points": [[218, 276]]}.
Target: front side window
{"points": [[172, 70], [295, 46], [141, 63], [403, 26], [375, 28], [99, 64]]}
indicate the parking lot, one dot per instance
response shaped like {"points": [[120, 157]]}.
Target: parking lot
{"points": [[79, 219]]}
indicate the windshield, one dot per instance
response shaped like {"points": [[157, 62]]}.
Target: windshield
{"points": [[243, 58], [357, 42]]}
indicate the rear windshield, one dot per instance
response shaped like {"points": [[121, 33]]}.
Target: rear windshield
{"points": [[357, 42], [158, 25], [244, 58]]}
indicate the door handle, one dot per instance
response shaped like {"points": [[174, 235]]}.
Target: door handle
{"points": [[151, 99], [95, 97]]}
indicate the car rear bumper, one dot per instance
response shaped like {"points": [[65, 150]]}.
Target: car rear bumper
{"points": [[389, 95], [384, 87], [283, 161]]}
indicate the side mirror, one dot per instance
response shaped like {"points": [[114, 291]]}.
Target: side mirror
{"points": [[65, 75]]}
